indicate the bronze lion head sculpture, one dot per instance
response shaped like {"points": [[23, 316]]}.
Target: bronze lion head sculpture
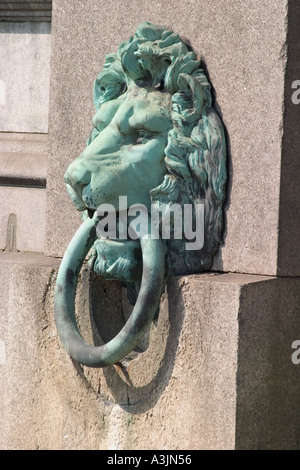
{"points": [[158, 144]]}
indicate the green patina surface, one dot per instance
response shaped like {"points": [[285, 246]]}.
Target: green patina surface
{"points": [[157, 140]]}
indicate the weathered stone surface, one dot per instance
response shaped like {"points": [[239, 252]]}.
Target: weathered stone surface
{"points": [[24, 10], [289, 209], [11, 142], [215, 371], [20, 310], [23, 168], [29, 206], [243, 45], [24, 76], [23, 171], [218, 360]]}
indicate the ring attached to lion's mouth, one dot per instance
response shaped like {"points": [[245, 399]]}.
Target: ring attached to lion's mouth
{"points": [[91, 212], [111, 232]]}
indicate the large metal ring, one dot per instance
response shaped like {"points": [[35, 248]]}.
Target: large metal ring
{"points": [[153, 253]]}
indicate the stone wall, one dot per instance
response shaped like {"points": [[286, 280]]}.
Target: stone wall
{"points": [[25, 72], [25, 10], [243, 46], [215, 371], [24, 106]]}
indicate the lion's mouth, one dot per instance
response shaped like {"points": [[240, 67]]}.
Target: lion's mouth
{"points": [[114, 232], [91, 213]]}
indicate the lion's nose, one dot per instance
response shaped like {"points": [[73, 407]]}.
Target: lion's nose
{"points": [[76, 175]]}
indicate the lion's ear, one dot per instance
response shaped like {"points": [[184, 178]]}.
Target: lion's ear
{"points": [[188, 102]]}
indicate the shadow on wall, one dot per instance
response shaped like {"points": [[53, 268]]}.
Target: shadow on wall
{"points": [[229, 168], [137, 383]]}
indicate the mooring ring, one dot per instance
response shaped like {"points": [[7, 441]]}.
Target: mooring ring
{"points": [[153, 254]]}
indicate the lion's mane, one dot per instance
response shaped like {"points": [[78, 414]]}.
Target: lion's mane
{"points": [[195, 155]]}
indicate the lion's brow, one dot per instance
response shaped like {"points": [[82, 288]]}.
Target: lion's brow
{"points": [[155, 122]]}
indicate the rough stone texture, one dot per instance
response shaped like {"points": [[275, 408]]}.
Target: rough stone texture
{"points": [[289, 214], [243, 45], [24, 10], [18, 313], [267, 409], [23, 170], [29, 206], [24, 76], [215, 371], [11, 142], [218, 360], [23, 166], [23, 158]]}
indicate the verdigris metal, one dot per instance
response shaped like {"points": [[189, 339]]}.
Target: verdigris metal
{"points": [[157, 140], [141, 317]]}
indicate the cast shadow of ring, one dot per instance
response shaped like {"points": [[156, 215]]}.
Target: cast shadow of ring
{"points": [[147, 375]]}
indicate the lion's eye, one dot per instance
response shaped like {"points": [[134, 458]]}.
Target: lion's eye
{"points": [[143, 137]]}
